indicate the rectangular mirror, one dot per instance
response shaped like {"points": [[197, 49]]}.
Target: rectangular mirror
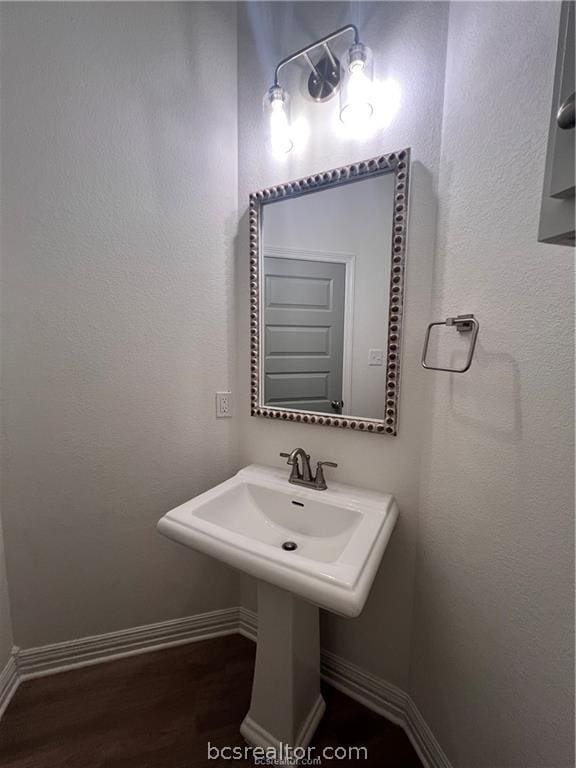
{"points": [[327, 259]]}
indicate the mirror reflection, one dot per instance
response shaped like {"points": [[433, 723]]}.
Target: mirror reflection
{"points": [[326, 268]]}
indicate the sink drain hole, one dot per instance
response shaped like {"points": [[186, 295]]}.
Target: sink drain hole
{"points": [[290, 546]]}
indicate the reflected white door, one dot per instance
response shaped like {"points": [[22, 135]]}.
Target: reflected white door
{"points": [[303, 334]]}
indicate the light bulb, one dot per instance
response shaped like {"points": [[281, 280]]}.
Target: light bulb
{"points": [[276, 106], [279, 129], [356, 96], [356, 66], [359, 106]]}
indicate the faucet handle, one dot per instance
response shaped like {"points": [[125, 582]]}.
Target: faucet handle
{"points": [[320, 480]]}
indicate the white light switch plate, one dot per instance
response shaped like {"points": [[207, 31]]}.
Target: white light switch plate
{"points": [[223, 405], [375, 357]]}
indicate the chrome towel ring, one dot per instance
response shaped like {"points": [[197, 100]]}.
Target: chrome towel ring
{"points": [[463, 324]]}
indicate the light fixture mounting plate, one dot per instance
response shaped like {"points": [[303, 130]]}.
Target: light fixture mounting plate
{"points": [[324, 81]]}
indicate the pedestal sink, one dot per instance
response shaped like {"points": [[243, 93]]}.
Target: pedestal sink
{"points": [[307, 549]]}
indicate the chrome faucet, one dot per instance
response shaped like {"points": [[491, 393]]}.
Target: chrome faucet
{"points": [[304, 477]]}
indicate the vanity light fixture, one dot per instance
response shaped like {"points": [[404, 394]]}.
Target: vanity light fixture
{"points": [[327, 77]]}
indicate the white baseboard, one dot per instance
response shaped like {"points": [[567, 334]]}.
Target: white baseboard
{"points": [[49, 659], [422, 738], [9, 680], [376, 694], [387, 700], [247, 623]]}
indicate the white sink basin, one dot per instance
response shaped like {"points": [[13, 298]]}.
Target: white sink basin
{"points": [[340, 533]]}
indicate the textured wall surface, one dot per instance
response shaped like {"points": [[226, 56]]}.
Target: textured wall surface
{"points": [[6, 640], [119, 211], [493, 657], [118, 159], [6, 635], [408, 40]]}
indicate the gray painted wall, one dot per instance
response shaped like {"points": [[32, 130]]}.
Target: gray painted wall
{"points": [[409, 42], [6, 639], [117, 158], [6, 635], [118, 300], [492, 661]]}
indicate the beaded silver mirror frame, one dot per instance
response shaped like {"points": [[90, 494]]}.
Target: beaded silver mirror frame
{"points": [[394, 162]]}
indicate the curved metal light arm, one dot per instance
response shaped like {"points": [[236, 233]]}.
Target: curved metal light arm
{"points": [[305, 51]]}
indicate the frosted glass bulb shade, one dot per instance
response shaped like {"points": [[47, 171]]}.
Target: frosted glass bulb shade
{"points": [[276, 108], [357, 92]]}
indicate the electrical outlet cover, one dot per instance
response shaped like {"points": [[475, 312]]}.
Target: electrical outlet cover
{"points": [[223, 405], [375, 357]]}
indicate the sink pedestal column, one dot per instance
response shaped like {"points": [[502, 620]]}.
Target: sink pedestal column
{"points": [[286, 704]]}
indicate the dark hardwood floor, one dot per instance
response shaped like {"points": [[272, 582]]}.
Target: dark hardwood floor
{"points": [[159, 710]]}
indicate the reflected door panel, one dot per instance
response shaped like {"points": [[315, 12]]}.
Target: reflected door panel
{"points": [[303, 333]]}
